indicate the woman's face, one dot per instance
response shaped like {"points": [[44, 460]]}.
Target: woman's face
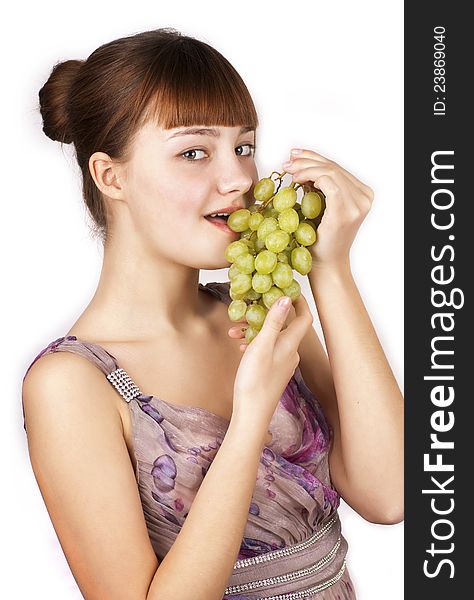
{"points": [[175, 177]]}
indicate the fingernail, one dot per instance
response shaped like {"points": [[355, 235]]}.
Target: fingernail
{"points": [[284, 302], [296, 151], [287, 164]]}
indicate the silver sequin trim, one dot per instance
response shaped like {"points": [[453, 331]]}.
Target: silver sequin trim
{"points": [[262, 583], [274, 554], [301, 595], [124, 384]]}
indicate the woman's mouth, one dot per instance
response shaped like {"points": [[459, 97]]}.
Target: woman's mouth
{"points": [[221, 223]]}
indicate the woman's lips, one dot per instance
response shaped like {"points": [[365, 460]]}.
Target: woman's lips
{"points": [[220, 224]]}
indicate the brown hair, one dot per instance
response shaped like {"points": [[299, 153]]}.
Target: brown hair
{"points": [[99, 104]]}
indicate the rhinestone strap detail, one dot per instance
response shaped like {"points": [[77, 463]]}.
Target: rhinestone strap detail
{"points": [[274, 554], [262, 583], [124, 384], [302, 594]]}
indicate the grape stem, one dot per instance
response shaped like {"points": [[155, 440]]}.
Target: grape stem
{"points": [[280, 180], [266, 203], [279, 175]]}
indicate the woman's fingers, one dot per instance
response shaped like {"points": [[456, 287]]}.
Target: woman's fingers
{"points": [[238, 330], [314, 156], [299, 326]]}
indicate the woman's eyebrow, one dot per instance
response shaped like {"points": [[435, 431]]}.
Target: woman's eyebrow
{"points": [[205, 131]]}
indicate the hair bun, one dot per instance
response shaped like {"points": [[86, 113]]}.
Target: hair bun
{"points": [[54, 100]]}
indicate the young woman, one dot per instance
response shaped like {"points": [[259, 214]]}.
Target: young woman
{"points": [[175, 461]]}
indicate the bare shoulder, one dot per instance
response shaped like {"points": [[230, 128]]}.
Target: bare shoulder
{"points": [[82, 466], [58, 375]]}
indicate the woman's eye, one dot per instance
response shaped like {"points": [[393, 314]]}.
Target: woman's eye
{"points": [[192, 155], [192, 159], [251, 149]]}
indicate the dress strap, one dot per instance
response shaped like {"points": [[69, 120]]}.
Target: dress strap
{"points": [[219, 289], [93, 352], [102, 359]]}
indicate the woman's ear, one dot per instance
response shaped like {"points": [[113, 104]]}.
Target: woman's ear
{"points": [[107, 175]]}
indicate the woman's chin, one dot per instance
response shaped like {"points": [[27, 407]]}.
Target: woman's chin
{"points": [[216, 265]]}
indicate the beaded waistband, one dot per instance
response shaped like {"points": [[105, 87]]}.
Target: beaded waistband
{"points": [[294, 572]]}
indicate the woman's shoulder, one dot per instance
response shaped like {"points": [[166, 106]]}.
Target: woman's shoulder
{"points": [[69, 345], [60, 383]]}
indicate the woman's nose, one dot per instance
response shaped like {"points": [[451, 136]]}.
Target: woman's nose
{"points": [[234, 176]]}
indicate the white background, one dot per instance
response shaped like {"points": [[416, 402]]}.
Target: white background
{"points": [[327, 76]]}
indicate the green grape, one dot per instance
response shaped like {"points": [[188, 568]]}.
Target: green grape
{"points": [[241, 283], [255, 221], [255, 316], [245, 263], [265, 262], [273, 244], [277, 240], [250, 334], [236, 310], [305, 234], [284, 198], [261, 283], [288, 220], [249, 243], [235, 249], [272, 296], [246, 234], [264, 189], [266, 226], [270, 211], [239, 220], [252, 295], [293, 290], [233, 269], [251, 247], [235, 296], [311, 205], [282, 275], [301, 260], [287, 252], [293, 243]]}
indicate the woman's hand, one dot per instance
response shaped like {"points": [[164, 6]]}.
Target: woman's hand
{"points": [[348, 201], [269, 362]]}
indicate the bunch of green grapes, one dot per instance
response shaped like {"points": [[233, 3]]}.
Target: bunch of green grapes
{"points": [[275, 233]]}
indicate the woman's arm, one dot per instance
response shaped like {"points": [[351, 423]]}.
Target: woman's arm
{"points": [[366, 458], [201, 560], [365, 403], [85, 475]]}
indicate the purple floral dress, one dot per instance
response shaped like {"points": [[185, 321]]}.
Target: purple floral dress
{"points": [[174, 447]]}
